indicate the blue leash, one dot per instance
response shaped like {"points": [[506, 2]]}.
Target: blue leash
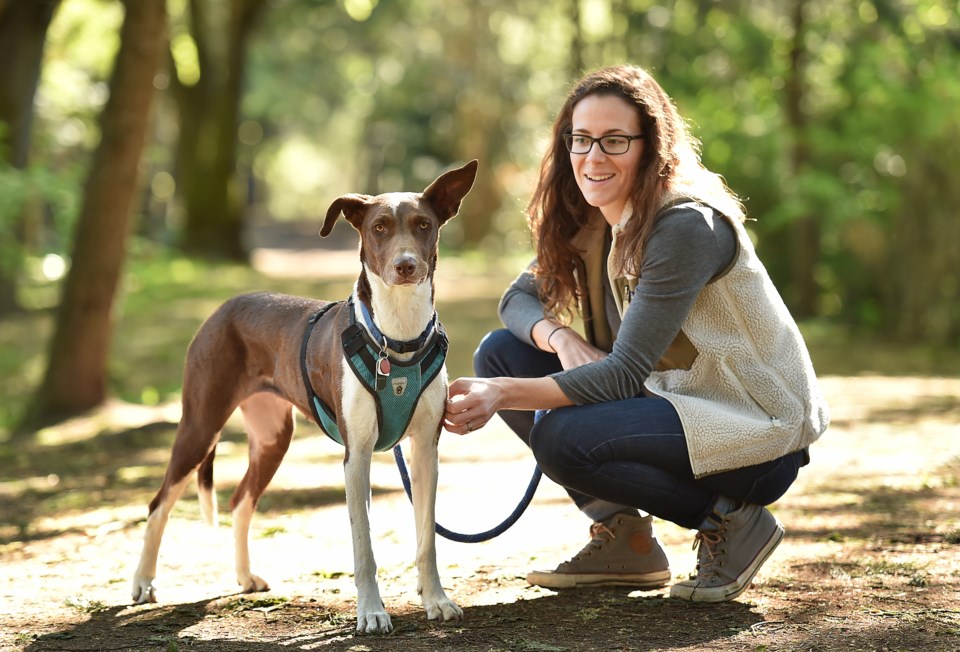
{"points": [[479, 536]]}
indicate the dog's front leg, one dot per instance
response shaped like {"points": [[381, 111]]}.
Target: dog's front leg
{"points": [[372, 617], [424, 471]]}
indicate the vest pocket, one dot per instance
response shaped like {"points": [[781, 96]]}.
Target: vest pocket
{"points": [[774, 419]]}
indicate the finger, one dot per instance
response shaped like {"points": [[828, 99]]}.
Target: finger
{"points": [[459, 386], [455, 429]]}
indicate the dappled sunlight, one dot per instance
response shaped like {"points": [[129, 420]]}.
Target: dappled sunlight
{"points": [[875, 516], [115, 415]]}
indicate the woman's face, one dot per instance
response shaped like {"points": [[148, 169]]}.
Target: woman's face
{"points": [[606, 179]]}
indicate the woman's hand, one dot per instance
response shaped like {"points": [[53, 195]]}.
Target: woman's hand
{"points": [[471, 403]]}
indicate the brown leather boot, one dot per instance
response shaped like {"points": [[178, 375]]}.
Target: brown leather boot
{"points": [[622, 552]]}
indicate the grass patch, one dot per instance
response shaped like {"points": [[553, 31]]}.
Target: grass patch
{"points": [[837, 350], [273, 531], [86, 606]]}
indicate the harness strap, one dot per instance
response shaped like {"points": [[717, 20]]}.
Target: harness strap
{"points": [[395, 404], [322, 414], [397, 346], [395, 401]]}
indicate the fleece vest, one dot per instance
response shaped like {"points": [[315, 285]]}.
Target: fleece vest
{"points": [[738, 373]]}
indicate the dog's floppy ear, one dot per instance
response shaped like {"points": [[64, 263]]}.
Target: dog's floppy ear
{"points": [[352, 206], [449, 189]]}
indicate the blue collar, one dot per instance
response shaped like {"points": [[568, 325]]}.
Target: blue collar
{"points": [[396, 346]]}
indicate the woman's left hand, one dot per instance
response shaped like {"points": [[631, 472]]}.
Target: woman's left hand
{"points": [[471, 403]]}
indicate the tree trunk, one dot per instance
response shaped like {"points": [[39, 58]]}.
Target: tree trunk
{"points": [[76, 376], [804, 231], [576, 46], [209, 112], [23, 31]]}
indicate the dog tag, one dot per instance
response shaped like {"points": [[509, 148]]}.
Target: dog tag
{"points": [[383, 371]]}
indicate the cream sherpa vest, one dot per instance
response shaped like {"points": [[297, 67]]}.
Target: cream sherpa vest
{"points": [[738, 373], [750, 394]]}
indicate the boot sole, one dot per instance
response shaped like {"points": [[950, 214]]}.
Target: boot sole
{"points": [[734, 589], [552, 580]]}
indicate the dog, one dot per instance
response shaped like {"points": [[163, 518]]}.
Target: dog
{"points": [[245, 355]]}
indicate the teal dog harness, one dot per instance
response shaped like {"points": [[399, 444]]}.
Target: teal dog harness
{"points": [[396, 385]]}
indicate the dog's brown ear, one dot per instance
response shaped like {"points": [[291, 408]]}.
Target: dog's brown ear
{"points": [[449, 189], [352, 206]]}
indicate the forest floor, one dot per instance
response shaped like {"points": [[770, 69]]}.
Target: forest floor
{"points": [[871, 560]]}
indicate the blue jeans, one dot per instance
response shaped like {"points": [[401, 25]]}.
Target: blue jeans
{"points": [[631, 452]]}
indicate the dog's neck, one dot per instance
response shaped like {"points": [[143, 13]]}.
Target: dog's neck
{"points": [[401, 312]]}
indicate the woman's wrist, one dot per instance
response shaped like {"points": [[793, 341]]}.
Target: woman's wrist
{"points": [[550, 336]]}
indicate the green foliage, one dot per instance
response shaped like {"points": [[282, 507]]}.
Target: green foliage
{"points": [[358, 95], [38, 205]]}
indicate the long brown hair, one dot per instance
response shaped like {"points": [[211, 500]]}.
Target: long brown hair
{"points": [[670, 166]]}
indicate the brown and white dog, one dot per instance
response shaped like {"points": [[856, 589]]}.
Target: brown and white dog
{"points": [[248, 355]]}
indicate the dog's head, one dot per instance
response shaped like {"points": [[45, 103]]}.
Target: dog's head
{"points": [[399, 230]]}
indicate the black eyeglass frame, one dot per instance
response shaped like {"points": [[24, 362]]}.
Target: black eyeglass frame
{"points": [[568, 142]]}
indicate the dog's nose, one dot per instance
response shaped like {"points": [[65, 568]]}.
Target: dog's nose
{"points": [[405, 265]]}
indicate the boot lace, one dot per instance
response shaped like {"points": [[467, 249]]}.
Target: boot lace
{"points": [[600, 534], [709, 557]]}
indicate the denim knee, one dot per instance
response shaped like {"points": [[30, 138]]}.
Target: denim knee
{"points": [[554, 447], [770, 486], [490, 351], [501, 353]]}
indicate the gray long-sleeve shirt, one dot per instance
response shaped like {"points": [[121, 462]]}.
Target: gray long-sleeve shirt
{"points": [[689, 247]]}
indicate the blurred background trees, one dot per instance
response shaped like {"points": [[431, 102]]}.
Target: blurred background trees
{"points": [[836, 121]]}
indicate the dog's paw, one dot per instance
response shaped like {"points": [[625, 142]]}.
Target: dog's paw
{"points": [[143, 591], [376, 622], [443, 609], [252, 583]]}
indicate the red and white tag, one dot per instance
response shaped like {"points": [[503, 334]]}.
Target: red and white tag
{"points": [[383, 367]]}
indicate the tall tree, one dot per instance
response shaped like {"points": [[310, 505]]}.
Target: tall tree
{"points": [[209, 109], [76, 375], [23, 31], [804, 229]]}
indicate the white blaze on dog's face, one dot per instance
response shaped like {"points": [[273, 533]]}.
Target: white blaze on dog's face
{"points": [[399, 239]]}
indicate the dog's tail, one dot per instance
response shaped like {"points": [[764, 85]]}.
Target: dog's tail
{"points": [[205, 491]]}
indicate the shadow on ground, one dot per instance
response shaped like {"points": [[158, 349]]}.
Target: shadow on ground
{"points": [[551, 622]]}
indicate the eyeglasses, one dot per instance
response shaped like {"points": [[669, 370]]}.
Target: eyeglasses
{"points": [[612, 145]]}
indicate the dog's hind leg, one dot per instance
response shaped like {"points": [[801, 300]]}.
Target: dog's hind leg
{"points": [[424, 437], [143, 588], [208, 401], [206, 493], [192, 445], [269, 424]]}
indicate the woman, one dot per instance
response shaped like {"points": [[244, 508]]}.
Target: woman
{"points": [[690, 395]]}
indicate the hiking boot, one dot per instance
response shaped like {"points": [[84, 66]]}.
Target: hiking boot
{"points": [[622, 552], [731, 555]]}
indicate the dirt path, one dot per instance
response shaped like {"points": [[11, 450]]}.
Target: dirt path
{"points": [[871, 560]]}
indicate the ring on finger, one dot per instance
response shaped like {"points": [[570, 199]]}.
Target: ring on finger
{"points": [[469, 427]]}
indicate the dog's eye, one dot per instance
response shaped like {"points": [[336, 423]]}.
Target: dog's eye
{"points": [[379, 227], [424, 225]]}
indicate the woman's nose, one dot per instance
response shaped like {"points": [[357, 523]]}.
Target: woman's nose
{"points": [[595, 153]]}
